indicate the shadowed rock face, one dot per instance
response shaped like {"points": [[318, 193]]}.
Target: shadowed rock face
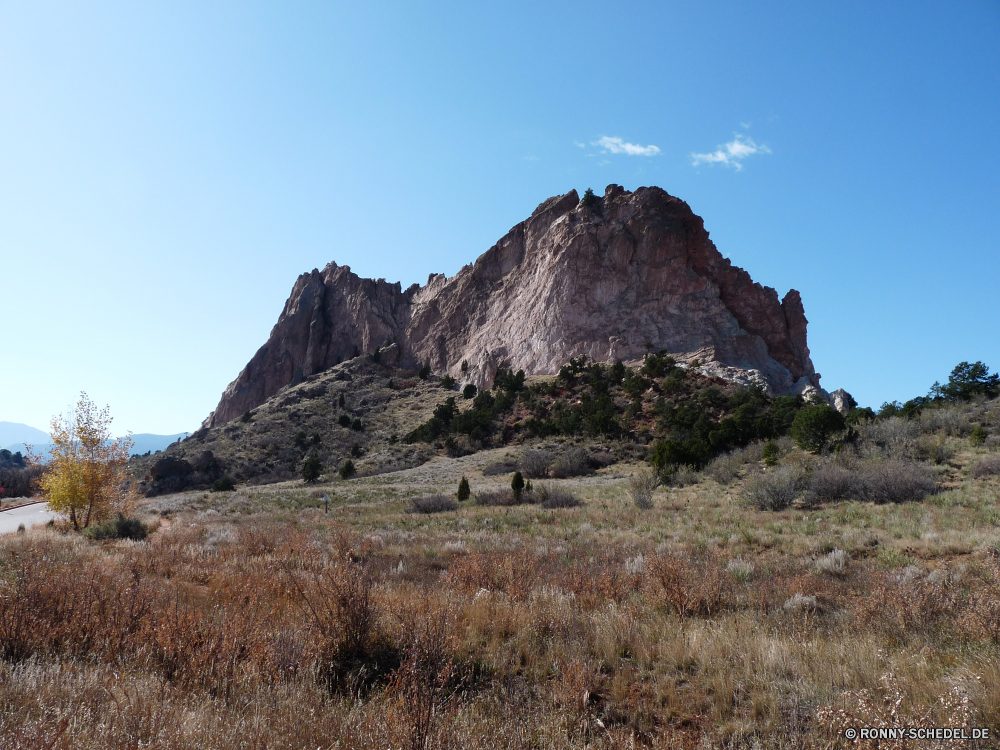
{"points": [[603, 281]]}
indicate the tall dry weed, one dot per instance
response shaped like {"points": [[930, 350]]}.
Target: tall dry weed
{"points": [[689, 585], [421, 690]]}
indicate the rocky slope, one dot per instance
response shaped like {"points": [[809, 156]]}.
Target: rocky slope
{"points": [[608, 280]]}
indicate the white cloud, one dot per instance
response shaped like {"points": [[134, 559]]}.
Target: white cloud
{"points": [[618, 146], [731, 154]]}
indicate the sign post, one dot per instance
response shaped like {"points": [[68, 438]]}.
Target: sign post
{"points": [[326, 501]]}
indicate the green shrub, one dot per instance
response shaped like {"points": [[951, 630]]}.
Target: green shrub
{"points": [[356, 425], [445, 412], [860, 414], [341, 401], [344, 420], [978, 436], [312, 467], [464, 491], [424, 372], [517, 485], [814, 425], [589, 199], [224, 484], [448, 382], [507, 381], [118, 527], [347, 470], [247, 417], [691, 452], [771, 453], [469, 391], [465, 366]]}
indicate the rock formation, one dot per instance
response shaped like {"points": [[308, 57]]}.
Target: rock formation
{"points": [[630, 271]]}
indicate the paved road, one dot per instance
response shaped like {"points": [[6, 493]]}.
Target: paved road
{"points": [[29, 515]]}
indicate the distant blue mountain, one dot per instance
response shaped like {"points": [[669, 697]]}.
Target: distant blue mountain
{"points": [[146, 442], [12, 433], [13, 437]]}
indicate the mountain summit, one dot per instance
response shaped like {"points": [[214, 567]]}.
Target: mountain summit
{"points": [[607, 277]]}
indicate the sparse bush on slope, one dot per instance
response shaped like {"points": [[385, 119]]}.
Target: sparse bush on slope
{"points": [[896, 482], [776, 489], [987, 466], [433, 504]]}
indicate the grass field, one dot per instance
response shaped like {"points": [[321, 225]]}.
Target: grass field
{"points": [[253, 619]]}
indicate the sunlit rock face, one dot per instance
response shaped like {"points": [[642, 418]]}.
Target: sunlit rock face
{"points": [[631, 270]]}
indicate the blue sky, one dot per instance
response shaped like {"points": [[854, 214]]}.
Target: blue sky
{"points": [[168, 169]]}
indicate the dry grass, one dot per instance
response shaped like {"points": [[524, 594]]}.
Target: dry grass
{"points": [[255, 620]]}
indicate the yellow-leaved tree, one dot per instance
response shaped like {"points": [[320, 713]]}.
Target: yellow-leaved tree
{"points": [[87, 474]]}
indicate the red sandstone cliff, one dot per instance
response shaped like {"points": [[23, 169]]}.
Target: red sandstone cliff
{"points": [[601, 280]]}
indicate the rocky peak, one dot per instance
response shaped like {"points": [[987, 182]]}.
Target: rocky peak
{"points": [[606, 280]]}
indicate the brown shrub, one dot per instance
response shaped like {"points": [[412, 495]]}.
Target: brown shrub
{"points": [[419, 691], [501, 497], [896, 482], [773, 490], [832, 483], [598, 582], [578, 693], [690, 585], [338, 602], [75, 606], [501, 467], [899, 605], [726, 468], [207, 651], [553, 497], [436, 503], [574, 462], [982, 617], [535, 463], [513, 575]]}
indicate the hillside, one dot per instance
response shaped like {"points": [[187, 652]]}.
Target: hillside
{"points": [[386, 418]]}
